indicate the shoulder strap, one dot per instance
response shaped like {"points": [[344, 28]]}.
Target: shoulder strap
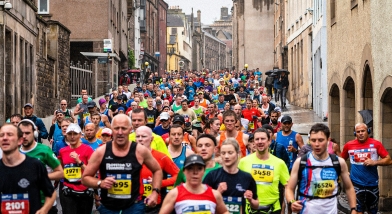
{"points": [[302, 166], [336, 163]]}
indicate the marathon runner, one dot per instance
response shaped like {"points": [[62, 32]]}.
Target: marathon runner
{"points": [[193, 196]]}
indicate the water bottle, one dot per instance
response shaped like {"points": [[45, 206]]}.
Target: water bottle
{"points": [[290, 153]]}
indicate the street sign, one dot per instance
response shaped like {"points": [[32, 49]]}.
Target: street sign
{"points": [[102, 60], [157, 54], [107, 45]]}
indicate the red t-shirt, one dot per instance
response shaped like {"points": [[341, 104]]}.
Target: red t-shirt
{"points": [[167, 166], [248, 114], [72, 172]]}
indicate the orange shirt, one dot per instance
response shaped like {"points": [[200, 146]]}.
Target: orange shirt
{"points": [[240, 140]]}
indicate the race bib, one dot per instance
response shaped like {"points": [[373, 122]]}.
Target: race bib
{"points": [[361, 155], [168, 188], [72, 172], [86, 114], [233, 204], [263, 174], [242, 100], [323, 188], [150, 119], [147, 188], [251, 125], [197, 209], [15, 203], [198, 118], [123, 186]]}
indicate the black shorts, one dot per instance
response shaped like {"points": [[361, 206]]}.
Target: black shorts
{"points": [[199, 129], [367, 198]]}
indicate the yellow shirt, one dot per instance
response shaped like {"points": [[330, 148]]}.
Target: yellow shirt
{"points": [[156, 144]]}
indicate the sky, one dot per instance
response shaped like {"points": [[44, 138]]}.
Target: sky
{"points": [[210, 9]]}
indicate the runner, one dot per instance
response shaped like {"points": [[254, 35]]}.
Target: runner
{"points": [[289, 139], [119, 163], [212, 127], [165, 124], [81, 109], [188, 114], [106, 135], [144, 137], [42, 132], [235, 185], [229, 120], [22, 177], [15, 119], [365, 155], [251, 114], [196, 124], [55, 133], [193, 196], [151, 113], [90, 138], [75, 198], [66, 112], [268, 171], [317, 175], [42, 152]]}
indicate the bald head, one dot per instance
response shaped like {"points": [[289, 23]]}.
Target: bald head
{"points": [[238, 109], [121, 118], [144, 136]]}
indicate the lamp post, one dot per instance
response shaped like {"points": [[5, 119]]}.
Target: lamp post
{"points": [[145, 72], [246, 67]]}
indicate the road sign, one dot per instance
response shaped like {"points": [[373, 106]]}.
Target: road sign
{"points": [[102, 60], [107, 45]]}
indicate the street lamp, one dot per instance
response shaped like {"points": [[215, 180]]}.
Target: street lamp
{"points": [[246, 67], [145, 72]]}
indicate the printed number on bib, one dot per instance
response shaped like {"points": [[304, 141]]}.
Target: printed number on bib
{"points": [[197, 209], [263, 174], [72, 172], [147, 188], [323, 189], [233, 204], [123, 186], [15, 203]]}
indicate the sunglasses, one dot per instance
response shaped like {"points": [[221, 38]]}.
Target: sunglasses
{"points": [[63, 104]]}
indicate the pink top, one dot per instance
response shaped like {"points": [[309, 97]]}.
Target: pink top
{"points": [[330, 147]]}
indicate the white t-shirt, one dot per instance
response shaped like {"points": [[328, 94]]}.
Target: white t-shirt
{"points": [[1, 153]]}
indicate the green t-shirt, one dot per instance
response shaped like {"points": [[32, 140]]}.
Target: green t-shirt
{"points": [[80, 100], [143, 103], [46, 156], [182, 179], [267, 174]]}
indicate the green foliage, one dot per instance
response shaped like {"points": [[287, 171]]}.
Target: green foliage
{"points": [[131, 59]]}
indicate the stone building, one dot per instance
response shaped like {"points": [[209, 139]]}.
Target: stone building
{"points": [[299, 41], [35, 65], [253, 25], [153, 33], [223, 30], [280, 44], [214, 51], [197, 41], [89, 28], [179, 36], [359, 74]]}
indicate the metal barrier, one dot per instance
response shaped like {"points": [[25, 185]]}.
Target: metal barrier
{"points": [[81, 78]]}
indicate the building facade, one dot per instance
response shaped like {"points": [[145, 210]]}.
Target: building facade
{"points": [[280, 44], [214, 51], [179, 40], [299, 44], [253, 25], [359, 74], [35, 61], [223, 30]]}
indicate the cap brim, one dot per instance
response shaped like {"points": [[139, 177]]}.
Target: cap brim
{"points": [[194, 163]]}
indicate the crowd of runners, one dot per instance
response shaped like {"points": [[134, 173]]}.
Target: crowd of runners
{"points": [[185, 142]]}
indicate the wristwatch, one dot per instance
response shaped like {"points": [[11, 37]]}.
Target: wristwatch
{"points": [[352, 209], [291, 202], [157, 190], [80, 164], [99, 183]]}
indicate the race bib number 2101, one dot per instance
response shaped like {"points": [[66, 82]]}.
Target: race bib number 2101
{"points": [[15, 203]]}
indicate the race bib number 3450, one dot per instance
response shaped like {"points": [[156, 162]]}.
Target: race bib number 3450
{"points": [[15, 203]]}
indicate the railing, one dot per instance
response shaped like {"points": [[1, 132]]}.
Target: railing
{"points": [[81, 76]]}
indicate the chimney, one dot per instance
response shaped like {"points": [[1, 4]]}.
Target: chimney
{"points": [[224, 13], [199, 17]]}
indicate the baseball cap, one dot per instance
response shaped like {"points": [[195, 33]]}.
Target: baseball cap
{"points": [[221, 79], [200, 92], [120, 97], [165, 107], [102, 101], [164, 116], [28, 105], [121, 109], [286, 118], [106, 131], [91, 104], [146, 95], [178, 118], [278, 109], [269, 127], [193, 159], [256, 82], [158, 102], [73, 127]]}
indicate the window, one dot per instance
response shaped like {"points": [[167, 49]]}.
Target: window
{"points": [[333, 11], [43, 6], [174, 31], [354, 3]]}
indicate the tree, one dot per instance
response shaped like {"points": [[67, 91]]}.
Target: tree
{"points": [[131, 59]]}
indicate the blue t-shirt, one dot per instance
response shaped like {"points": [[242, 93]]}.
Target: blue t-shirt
{"points": [[159, 130], [285, 141], [221, 106], [94, 145]]}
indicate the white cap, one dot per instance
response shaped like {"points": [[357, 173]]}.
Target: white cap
{"points": [[73, 127], [164, 116], [106, 131]]}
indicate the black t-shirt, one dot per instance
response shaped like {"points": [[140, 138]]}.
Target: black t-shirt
{"points": [[229, 97], [26, 179], [237, 183], [151, 117], [115, 106]]}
